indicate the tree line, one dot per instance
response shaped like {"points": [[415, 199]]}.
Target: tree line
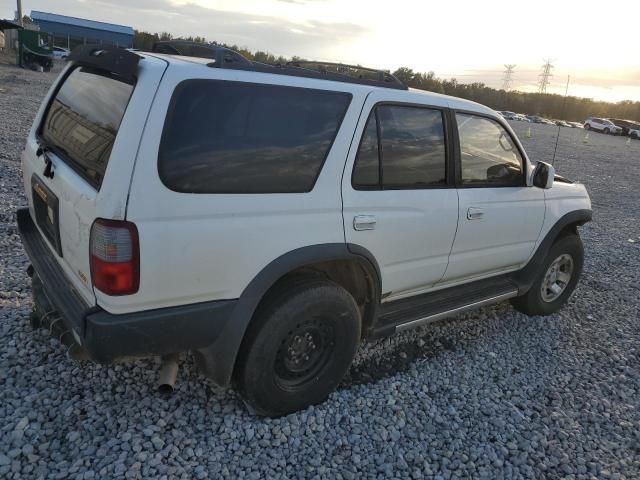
{"points": [[545, 104]]}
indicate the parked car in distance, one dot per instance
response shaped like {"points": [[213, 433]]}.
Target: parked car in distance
{"points": [[269, 218], [60, 52], [562, 123], [508, 115], [522, 118], [625, 125], [575, 124], [602, 125], [539, 119]]}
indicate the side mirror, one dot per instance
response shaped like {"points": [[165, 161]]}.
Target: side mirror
{"points": [[543, 175]]}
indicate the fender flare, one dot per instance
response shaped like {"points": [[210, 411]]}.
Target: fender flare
{"points": [[525, 277], [217, 360]]}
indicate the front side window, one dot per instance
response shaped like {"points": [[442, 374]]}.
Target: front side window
{"points": [[236, 137], [406, 149], [82, 121], [488, 154]]}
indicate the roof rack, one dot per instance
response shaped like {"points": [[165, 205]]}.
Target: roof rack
{"points": [[226, 58]]}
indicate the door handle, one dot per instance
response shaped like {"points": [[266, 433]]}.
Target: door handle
{"points": [[475, 213], [364, 222]]}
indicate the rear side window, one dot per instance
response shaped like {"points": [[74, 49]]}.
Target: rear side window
{"points": [[82, 121], [236, 137], [406, 150]]}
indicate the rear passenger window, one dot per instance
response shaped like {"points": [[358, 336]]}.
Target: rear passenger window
{"points": [[412, 149], [367, 170], [233, 137]]}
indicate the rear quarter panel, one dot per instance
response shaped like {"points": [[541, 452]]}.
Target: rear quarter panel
{"points": [[200, 247]]}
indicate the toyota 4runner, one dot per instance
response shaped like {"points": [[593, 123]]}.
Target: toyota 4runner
{"points": [[268, 218]]}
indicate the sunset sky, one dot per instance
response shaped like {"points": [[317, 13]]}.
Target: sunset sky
{"points": [[469, 40]]}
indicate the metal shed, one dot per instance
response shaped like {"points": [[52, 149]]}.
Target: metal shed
{"points": [[69, 32]]}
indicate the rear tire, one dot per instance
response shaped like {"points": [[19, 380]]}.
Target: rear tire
{"points": [[634, 135], [587, 126], [607, 131], [553, 287], [298, 347]]}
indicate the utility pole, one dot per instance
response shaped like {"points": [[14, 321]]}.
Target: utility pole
{"points": [[506, 79], [20, 13], [545, 76]]}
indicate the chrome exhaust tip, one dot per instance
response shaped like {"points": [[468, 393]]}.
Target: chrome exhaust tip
{"points": [[168, 374]]}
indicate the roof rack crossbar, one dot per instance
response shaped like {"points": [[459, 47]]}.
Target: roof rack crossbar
{"points": [[382, 75], [223, 57]]}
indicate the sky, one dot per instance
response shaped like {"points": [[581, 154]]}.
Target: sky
{"points": [[470, 40]]}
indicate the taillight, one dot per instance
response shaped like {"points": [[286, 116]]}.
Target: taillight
{"points": [[115, 257]]}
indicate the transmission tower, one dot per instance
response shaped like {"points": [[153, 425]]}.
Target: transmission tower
{"points": [[506, 79], [545, 77]]}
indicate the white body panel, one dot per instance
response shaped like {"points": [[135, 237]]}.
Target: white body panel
{"points": [[503, 229], [201, 247], [79, 202], [414, 228]]}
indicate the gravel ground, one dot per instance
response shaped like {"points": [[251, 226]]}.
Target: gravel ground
{"points": [[491, 394]]}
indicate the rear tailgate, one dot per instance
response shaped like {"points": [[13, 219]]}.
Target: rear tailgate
{"points": [[80, 154]]}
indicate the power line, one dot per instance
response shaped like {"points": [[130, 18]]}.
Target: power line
{"points": [[545, 76], [506, 79]]}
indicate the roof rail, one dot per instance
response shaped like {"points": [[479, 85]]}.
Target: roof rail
{"points": [[224, 57], [355, 71]]}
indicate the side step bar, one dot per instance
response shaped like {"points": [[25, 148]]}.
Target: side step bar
{"points": [[412, 312], [455, 311]]}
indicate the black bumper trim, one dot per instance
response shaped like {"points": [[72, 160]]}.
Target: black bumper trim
{"points": [[155, 332], [68, 302], [108, 337]]}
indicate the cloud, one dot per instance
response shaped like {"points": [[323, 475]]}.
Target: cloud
{"points": [[311, 38]]}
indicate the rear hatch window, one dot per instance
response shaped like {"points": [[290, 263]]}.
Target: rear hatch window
{"points": [[83, 118]]}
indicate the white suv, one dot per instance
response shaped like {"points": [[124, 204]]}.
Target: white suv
{"points": [[602, 125], [268, 218]]}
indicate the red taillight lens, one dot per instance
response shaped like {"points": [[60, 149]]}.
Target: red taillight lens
{"points": [[115, 257]]}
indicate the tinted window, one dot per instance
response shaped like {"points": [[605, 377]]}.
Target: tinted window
{"points": [[413, 149], [83, 120], [366, 172], [232, 137], [413, 146], [488, 154]]}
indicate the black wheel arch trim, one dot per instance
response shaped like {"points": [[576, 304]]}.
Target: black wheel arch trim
{"points": [[525, 277], [217, 360]]}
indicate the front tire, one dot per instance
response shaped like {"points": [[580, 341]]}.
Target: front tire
{"points": [[557, 280], [607, 131], [298, 347], [587, 126]]}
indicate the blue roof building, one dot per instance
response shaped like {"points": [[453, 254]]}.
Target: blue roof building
{"points": [[71, 31]]}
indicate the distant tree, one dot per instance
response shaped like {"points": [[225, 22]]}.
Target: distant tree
{"points": [[549, 105]]}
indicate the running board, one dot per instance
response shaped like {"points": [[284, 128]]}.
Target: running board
{"points": [[423, 309]]}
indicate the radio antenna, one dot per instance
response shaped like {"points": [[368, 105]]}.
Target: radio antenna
{"points": [[564, 103]]}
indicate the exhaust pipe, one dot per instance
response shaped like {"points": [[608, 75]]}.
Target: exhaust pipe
{"points": [[168, 373]]}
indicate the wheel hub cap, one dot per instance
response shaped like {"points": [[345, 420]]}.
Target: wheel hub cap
{"points": [[557, 278], [305, 351]]}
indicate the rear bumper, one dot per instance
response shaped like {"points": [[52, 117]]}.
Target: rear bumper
{"points": [[107, 337]]}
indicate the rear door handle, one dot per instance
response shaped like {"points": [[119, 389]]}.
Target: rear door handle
{"points": [[364, 222], [475, 213]]}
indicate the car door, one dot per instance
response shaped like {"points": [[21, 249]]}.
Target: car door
{"points": [[500, 217], [398, 200]]}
